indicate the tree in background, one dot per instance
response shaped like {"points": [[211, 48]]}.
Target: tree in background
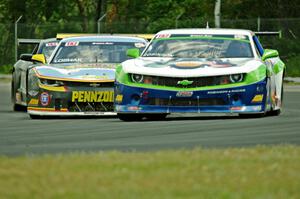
{"points": [[45, 18]]}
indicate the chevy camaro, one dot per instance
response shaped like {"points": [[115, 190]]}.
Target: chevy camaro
{"points": [[79, 79], [200, 71]]}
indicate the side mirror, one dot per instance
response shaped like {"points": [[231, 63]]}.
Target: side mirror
{"points": [[133, 52], [26, 57], [39, 58], [269, 53]]}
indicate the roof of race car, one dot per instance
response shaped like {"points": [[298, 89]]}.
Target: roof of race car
{"points": [[49, 40], [105, 39], [207, 31]]}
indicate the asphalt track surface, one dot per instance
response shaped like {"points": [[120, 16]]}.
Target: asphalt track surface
{"points": [[20, 135]]}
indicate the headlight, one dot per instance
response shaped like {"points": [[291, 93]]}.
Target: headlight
{"points": [[50, 82], [137, 78], [33, 83], [235, 78]]}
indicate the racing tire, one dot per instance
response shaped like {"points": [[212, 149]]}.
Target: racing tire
{"points": [[16, 107], [19, 108], [130, 117], [274, 112], [156, 116]]}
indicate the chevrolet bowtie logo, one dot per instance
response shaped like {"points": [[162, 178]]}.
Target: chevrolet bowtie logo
{"points": [[185, 82], [94, 84]]}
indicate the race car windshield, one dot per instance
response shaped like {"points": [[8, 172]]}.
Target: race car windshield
{"points": [[94, 52], [48, 48], [199, 47]]}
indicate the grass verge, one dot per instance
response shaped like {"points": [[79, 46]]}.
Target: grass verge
{"points": [[293, 68], [6, 69], [258, 172]]}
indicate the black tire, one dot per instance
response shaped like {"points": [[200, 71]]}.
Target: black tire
{"points": [[19, 108], [130, 117], [274, 112], [156, 116], [16, 107]]}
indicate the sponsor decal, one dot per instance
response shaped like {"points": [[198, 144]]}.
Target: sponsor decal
{"points": [[95, 65], [134, 108], [45, 99], [240, 36], [227, 91], [33, 102], [237, 108], [68, 60], [202, 64], [185, 82], [95, 77], [188, 64], [163, 36], [72, 43], [257, 98], [119, 98], [102, 43], [184, 93], [200, 35], [93, 96], [139, 45], [51, 44]]}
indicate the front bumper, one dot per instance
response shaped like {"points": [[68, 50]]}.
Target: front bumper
{"points": [[72, 101], [242, 99]]}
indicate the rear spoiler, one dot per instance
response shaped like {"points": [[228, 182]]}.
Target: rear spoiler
{"points": [[61, 36], [28, 41], [269, 33]]}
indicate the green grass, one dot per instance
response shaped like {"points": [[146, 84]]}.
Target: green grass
{"points": [[259, 172], [6, 69], [293, 66]]}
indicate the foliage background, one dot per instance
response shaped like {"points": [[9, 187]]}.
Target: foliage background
{"points": [[45, 18]]}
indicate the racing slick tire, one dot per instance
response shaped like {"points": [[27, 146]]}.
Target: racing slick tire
{"points": [[130, 117]]}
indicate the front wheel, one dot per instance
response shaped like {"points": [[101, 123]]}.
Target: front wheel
{"points": [[15, 106], [130, 117]]}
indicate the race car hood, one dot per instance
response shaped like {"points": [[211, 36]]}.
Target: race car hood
{"points": [[78, 72], [190, 67]]}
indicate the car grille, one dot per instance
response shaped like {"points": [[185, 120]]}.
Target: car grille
{"points": [[88, 84], [90, 107], [193, 82], [77, 84], [187, 102]]}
